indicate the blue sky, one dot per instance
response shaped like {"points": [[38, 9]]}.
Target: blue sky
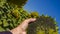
{"points": [[49, 7]]}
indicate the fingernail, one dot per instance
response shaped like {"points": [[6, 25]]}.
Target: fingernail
{"points": [[33, 19]]}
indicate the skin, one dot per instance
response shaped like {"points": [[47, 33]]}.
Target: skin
{"points": [[21, 29]]}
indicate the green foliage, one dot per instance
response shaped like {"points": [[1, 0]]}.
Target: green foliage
{"points": [[34, 15], [19, 3], [11, 17], [2, 2]]}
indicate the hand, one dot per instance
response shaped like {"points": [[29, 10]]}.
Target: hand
{"points": [[21, 29]]}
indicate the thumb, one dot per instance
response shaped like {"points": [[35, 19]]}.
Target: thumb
{"points": [[25, 23]]}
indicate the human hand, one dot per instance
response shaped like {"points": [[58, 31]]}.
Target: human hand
{"points": [[21, 29]]}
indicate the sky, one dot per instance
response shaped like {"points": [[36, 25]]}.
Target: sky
{"points": [[49, 7]]}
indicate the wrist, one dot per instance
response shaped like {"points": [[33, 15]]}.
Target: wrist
{"points": [[16, 30]]}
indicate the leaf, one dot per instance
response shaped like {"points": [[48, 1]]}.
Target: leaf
{"points": [[5, 23], [1, 29], [19, 3]]}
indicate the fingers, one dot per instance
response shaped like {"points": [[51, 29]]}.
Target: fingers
{"points": [[24, 24], [29, 20]]}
